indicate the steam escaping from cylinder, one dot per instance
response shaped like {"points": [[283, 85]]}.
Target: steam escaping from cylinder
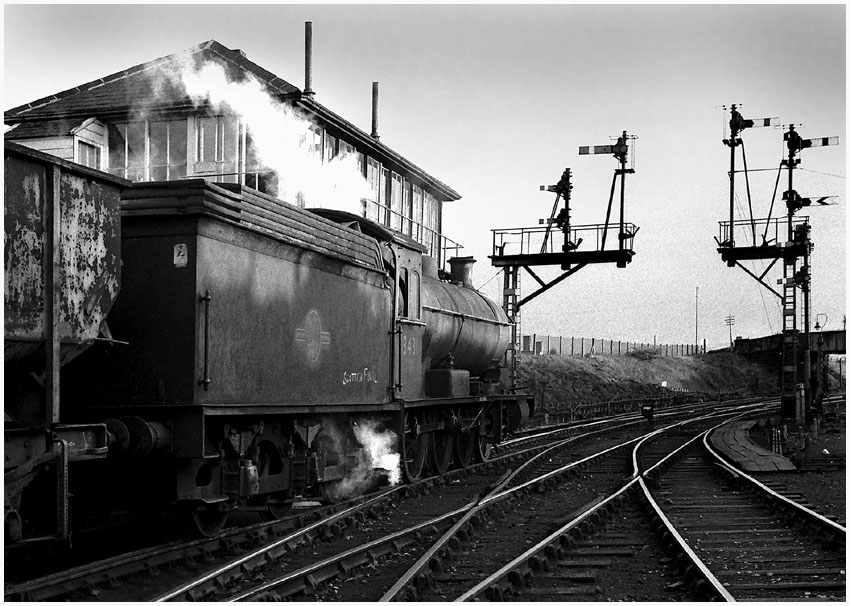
{"points": [[379, 444], [375, 461]]}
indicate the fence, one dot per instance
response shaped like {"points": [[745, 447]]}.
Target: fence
{"points": [[561, 412], [581, 346]]}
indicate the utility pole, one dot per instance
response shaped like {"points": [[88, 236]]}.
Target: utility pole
{"points": [[696, 321], [730, 322]]}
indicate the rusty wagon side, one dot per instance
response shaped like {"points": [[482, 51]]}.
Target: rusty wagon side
{"points": [[62, 273]]}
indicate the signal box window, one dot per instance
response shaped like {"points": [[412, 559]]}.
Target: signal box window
{"points": [[168, 150], [88, 155], [216, 148]]}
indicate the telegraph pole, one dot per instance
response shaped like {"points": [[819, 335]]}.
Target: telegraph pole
{"points": [[730, 322], [696, 321]]}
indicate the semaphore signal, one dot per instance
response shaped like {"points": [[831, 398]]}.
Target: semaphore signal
{"points": [[738, 123]]}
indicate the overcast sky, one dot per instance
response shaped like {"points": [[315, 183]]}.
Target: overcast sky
{"points": [[494, 100]]}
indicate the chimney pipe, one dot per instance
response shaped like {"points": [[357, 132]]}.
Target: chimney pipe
{"points": [[375, 111], [308, 58], [461, 270]]}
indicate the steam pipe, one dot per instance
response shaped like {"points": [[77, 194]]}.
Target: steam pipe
{"points": [[375, 135], [308, 58]]}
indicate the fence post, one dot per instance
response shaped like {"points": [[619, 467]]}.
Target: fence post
{"points": [[572, 346], [534, 344], [560, 346], [582, 347]]}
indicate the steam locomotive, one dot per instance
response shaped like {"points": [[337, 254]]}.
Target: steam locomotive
{"points": [[206, 347]]}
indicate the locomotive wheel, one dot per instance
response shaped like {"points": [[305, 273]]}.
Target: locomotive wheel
{"points": [[440, 453], [465, 444], [415, 451], [208, 522], [483, 449]]}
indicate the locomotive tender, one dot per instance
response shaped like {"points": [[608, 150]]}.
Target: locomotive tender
{"points": [[250, 346]]}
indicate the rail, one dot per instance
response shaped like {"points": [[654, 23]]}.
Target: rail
{"points": [[545, 554]]}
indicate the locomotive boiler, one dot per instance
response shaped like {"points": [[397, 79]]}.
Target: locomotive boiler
{"points": [[256, 351]]}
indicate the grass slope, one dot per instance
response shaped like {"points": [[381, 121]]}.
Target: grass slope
{"points": [[564, 382]]}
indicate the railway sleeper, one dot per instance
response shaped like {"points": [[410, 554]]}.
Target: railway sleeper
{"points": [[201, 592]]}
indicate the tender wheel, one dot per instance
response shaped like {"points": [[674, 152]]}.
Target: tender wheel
{"points": [[276, 508], [208, 522], [440, 454], [270, 464], [465, 444], [415, 451]]}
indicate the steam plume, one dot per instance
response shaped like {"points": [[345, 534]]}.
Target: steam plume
{"points": [[282, 137]]}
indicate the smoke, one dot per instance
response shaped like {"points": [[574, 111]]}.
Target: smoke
{"points": [[282, 138]]}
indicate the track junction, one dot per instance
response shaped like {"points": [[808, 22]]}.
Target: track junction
{"points": [[610, 509]]}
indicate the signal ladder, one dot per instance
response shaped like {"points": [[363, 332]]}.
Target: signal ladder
{"points": [[510, 301], [789, 338]]}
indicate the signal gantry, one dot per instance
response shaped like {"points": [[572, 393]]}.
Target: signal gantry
{"points": [[793, 244], [521, 248]]}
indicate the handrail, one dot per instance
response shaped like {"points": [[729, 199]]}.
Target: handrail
{"points": [[532, 240]]}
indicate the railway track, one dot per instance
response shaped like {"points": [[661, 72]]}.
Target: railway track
{"points": [[478, 529], [129, 575], [243, 553], [576, 578], [726, 543], [400, 533], [758, 543]]}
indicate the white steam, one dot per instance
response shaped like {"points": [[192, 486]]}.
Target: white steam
{"points": [[374, 462], [380, 446], [282, 138]]}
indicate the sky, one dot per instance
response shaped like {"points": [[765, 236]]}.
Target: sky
{"points": [[494, 100]]}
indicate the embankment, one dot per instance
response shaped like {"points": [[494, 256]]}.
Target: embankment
{"points": [[565, 382]]}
